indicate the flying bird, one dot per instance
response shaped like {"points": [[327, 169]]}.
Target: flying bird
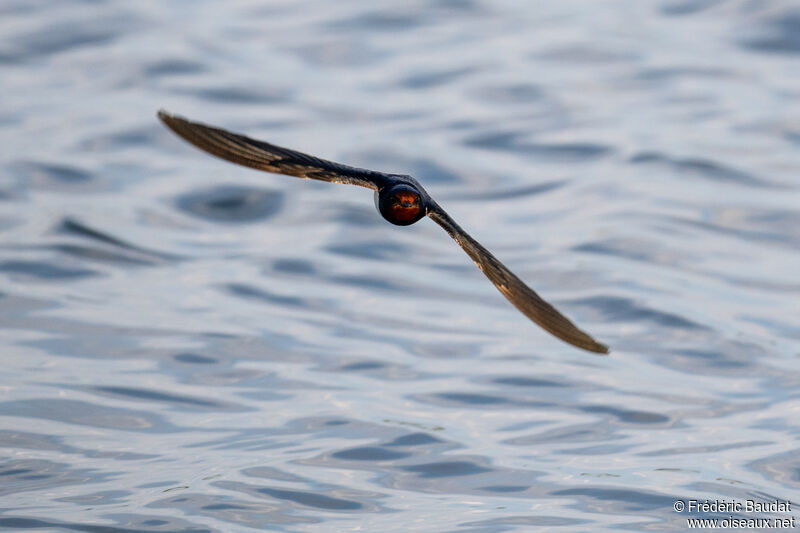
{"points": [[400, 199]]}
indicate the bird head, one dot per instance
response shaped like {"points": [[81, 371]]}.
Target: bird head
{"points": [[401, 204]]}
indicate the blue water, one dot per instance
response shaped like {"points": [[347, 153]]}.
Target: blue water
{"points": [[188, 345]]}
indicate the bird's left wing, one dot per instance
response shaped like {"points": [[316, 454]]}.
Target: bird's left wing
{"points": [[260, 155], [514, 289]]}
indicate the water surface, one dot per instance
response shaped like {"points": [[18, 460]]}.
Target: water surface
{"points": [[193, 346]]}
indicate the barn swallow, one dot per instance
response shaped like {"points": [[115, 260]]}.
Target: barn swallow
{"points": [[400, 199]]}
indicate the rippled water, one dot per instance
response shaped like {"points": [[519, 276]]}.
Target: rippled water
{"points": [[193, 346]]}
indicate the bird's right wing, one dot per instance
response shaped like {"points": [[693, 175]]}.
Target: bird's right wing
{"points": [[261, 155], [514, 289]]}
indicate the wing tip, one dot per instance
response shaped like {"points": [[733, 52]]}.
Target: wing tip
{"points": [[168, 118], [598, 348]]}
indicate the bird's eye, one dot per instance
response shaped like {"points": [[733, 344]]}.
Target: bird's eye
{"points": [[400, 204]]}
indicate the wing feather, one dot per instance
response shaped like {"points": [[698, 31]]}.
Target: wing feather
{"points": [[515, 290], [261, 155]]}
